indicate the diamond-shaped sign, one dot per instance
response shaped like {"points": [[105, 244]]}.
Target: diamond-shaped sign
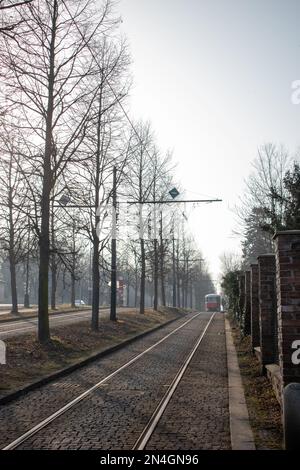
{"points": [[174, 193], [64, 200]]}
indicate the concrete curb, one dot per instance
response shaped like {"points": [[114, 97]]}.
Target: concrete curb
{"points": [[67, 370], [240, 429]]}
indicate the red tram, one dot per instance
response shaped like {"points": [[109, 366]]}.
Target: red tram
{"points": [[213, 303]]}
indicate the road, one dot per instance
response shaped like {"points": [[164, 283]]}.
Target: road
{"points": [[108, 404], [18, 327]]}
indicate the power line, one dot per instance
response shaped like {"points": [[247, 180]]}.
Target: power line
{"points": [[113, 292], [108, 83], [172, 201]]}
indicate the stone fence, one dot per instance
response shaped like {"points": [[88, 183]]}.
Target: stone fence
{"points": [[270, 310]]}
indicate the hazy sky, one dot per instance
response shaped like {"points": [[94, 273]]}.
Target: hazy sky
{"points": [[214, 77]]}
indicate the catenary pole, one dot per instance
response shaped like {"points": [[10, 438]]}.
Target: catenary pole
{"points": [[113, 299]]}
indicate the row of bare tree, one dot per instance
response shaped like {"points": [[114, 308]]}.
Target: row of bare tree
{"points": [[65, 80], [270, 202]]}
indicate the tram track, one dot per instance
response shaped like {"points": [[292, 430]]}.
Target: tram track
{"points": [[154, 420], [159, 410]]}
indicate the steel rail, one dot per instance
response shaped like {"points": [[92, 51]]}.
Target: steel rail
{"points": [[42, 424], [157, 414]]}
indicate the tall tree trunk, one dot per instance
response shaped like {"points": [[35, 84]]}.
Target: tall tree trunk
{"points": [[26, 294], [53, 281], [27, 268], [162, 280], [13, 283], [73, 267], [162, 259], [12, 256], [113, 282], [73, 290], [96, 285], [136, 289], [96, 241], [143, 277], [183, 287], [178, 291], [155, 301], [43, 314], [53, 261], [128, 291], [178, 276], [174, 281]]}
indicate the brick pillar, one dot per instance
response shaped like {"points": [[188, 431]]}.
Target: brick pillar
{"points": [[241, 296], [267, 307], [255, 340], [247, 305], [287, 249]]}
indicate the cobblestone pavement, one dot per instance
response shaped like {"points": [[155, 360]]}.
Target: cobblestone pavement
{"points": [[141, 384], [197, 416], [114, 415]]}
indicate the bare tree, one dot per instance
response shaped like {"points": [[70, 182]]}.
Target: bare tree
{"points": [[161, 185], [265, 184], [13, 224], [230, 261], [139, 177], [106, 145], [48, 78], [261, 211], [10, 23], [149, 176], [8, 6], [73, 254]]}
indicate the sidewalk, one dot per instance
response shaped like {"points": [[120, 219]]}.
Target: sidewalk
{"points": [[240, 430]]}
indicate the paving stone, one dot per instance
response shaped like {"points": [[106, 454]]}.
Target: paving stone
{"points": [[113, 417], [197, 416]]}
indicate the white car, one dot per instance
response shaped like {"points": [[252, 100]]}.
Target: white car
{"points": [[79, 303]]}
